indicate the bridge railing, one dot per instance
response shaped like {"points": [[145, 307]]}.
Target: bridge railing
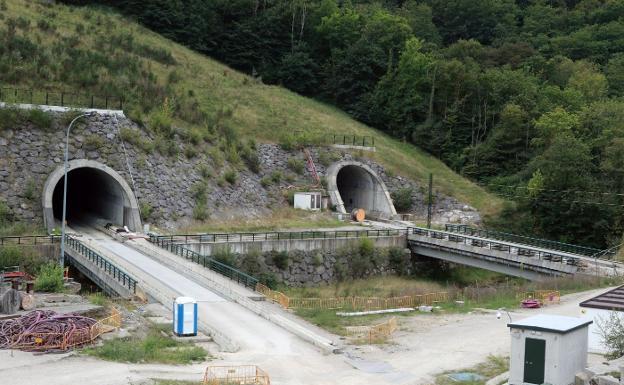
{"points": [[521, 239], [210, 263], [111, 269], [29, 240], [277, 236], [469, 240]]}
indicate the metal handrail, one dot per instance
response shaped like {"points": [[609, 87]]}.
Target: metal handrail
{"points": [[354, 140], [543, 243], [208, 262], [29, 239], [111, 269], [13, 95], [552, 256], [277, 235]]}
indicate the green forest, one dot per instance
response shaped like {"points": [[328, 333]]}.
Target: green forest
{"points": [[524, 97]]}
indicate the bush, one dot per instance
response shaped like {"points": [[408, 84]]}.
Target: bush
{"points": [[611, 332], [39, 118], [250, 156], [276, 177], [265, 181], [94, 142], [225, 256], [281, 259], [328, 157], [200, 212], [231, 176], [9, 118], [402, 199], [296, 165], [146, 210], [50, 278], [398, 261], [205, 172], [135, 138]]}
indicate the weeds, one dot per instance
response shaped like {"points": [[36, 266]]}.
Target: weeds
{"points": [[153, 348], [50, 278]]}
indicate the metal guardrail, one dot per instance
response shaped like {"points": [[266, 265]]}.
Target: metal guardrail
{"points": [[354, 140], [14, 95], [521, 239], [210, 263], [103, 263], [498, 246], [278, 236], [29, 239]]}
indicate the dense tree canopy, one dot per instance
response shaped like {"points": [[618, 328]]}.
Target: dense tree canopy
{"points": [[522, 95]]}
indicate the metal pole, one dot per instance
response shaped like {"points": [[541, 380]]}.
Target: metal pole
{"points": [[65, 166], [430, 201]]}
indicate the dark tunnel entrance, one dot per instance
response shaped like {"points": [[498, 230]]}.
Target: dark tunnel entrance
{"points": [[96, 194], [356, 188], [91, 194], [352, 185]]}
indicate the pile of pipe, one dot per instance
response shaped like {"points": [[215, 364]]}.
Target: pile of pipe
{"points": [[45, 330]]}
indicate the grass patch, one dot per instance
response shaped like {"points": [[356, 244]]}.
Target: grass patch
{"points": [[328, 320], [49, 278], [494, 366], [155, 347], [98, 299], [281, 219]]}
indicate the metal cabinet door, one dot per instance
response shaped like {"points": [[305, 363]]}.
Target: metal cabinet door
{"points": [[534, 361]]}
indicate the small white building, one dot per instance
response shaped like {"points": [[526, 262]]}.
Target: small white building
{"points": [[599, 309], [307, 200], [547, 349]]}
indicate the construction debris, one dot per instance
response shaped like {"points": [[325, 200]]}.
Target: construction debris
{"points": [[45, 330]]}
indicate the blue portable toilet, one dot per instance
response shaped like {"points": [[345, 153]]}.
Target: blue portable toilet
{"points": [[185, 316]]}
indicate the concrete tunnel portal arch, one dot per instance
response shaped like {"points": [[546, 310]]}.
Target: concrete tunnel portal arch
{"points": [[94, 192], [352, 185]]}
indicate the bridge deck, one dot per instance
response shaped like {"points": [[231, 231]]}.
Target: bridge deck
{"points": [[506, 257]]}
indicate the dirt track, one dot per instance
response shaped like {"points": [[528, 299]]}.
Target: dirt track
{"points": [[425, 345]]}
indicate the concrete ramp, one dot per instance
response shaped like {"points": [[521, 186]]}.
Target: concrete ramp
{"points": [[236, 322]]}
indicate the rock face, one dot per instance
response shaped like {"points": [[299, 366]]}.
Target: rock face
{"points": [[164, 184]]}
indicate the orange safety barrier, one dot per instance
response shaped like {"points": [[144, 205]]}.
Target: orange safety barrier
{"points": [[545, 297], [353, 303], [374, 333], [239, 375]]}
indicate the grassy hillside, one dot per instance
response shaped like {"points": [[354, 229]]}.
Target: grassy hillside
{"points": [[100, 51]]}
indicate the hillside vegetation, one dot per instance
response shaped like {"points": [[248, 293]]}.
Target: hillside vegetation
{"points": [[524, 96], [179, 94]]}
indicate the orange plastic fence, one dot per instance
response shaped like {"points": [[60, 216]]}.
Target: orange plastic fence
{"points": [[240, 375], [354, 303], [379, 332], [546, 297]]}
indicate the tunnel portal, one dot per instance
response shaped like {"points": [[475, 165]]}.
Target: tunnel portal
{"points": [[353, 185], [95, 193]]}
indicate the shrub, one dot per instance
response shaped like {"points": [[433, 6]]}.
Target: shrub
{"points": [[205, 172], [398, 261], [50, 278], [135, 138], [9, 118], [276, 177], [200, 212], [225, 256], [296, 165], [94, 142], [265, 181], [402, 199], [39, 118], [328, 157], [281, 259], [288, 142], [30, 191], [250, 156], [251, 263], [611, 332], [231, 176], [190, 152], [216, 156], [146, 210]]}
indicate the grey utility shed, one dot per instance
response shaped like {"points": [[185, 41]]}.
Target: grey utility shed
{"points": [[547, 349]]}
